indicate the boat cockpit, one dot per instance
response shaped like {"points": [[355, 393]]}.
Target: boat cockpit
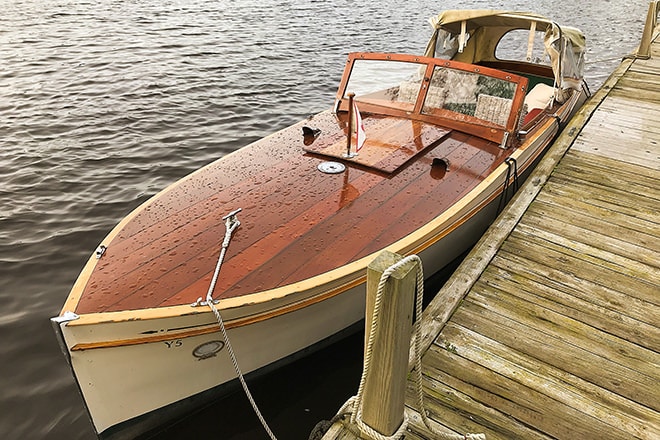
{"points": [[491, 73]]}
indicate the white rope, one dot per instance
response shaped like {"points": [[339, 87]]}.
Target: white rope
{"points": [[354, 404], [356, 416], [231, 223]]}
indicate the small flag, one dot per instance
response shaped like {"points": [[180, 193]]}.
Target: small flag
{"points": [[360, 134]]}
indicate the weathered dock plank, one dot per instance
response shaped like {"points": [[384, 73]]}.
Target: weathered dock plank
{"points": [[637, 83], [591, 191], [593, 244], [459, 409], [498, 383], [593, 305], [554, 383], [560, 342], [536, 252], [605, 236]]}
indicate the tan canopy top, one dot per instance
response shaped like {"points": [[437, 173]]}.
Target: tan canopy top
{"points": [[472, 36]]}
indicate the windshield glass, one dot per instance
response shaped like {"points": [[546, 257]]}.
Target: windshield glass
{"points": [[452, 92], [478, 99], [387, 83], [470, 94]]}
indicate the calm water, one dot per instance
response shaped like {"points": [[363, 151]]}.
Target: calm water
{"points": [[103, 103]]}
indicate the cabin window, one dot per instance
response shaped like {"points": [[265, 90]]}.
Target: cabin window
{"points": [[386, 83], [514, 46], [469, 94]]}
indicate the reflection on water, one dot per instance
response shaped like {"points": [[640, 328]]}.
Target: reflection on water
{"points": [[104, 103]]}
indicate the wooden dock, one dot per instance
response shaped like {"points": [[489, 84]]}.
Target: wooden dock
{"points": [[550, 328]]}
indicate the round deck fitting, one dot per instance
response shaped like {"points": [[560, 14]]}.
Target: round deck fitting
{"points": [[331, 167]]}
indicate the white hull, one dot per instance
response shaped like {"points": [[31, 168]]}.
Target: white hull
{"points": [[122, 383]]}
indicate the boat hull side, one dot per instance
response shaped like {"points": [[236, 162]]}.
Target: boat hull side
{"points": [[120, 383], [151, 422]]}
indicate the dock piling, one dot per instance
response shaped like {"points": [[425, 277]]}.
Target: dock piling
{"points": [[644, 49], [384, 380]]}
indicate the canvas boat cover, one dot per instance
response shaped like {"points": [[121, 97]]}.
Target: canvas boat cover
{"points": [[472, 36]]}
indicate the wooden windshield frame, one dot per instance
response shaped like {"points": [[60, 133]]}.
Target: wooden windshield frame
{"points": [[468, 124]]}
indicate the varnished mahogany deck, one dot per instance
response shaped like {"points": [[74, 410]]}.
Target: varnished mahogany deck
{"points": [[296, 222]]}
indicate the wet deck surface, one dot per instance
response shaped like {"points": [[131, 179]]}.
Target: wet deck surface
{"points": [[549, 329], [165, 253]]}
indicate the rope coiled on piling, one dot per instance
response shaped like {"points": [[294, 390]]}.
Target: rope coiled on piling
{"points": [[354, 405]]}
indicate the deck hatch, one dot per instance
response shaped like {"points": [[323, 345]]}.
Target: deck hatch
{"points": [[391, 142]]}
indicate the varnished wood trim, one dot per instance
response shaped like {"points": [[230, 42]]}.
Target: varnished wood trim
{"points": [[212, 328], [149, 339], [470, 124], [520, 66]]}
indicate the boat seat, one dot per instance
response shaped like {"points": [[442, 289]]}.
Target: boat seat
{"points": [[493, 109], [539, 97]]}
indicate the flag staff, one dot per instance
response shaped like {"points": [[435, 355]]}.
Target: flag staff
{"points": [[348, 154]]}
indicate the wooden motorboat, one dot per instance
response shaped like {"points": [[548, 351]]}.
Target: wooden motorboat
{"points": [[447, 136]]}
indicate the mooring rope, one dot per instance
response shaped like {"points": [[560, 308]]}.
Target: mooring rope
{"points": [[510, 163], [356, 416], [354, 404], [231, 223]]}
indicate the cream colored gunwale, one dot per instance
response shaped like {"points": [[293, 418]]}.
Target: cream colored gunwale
{"points": [[213, 326]]}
